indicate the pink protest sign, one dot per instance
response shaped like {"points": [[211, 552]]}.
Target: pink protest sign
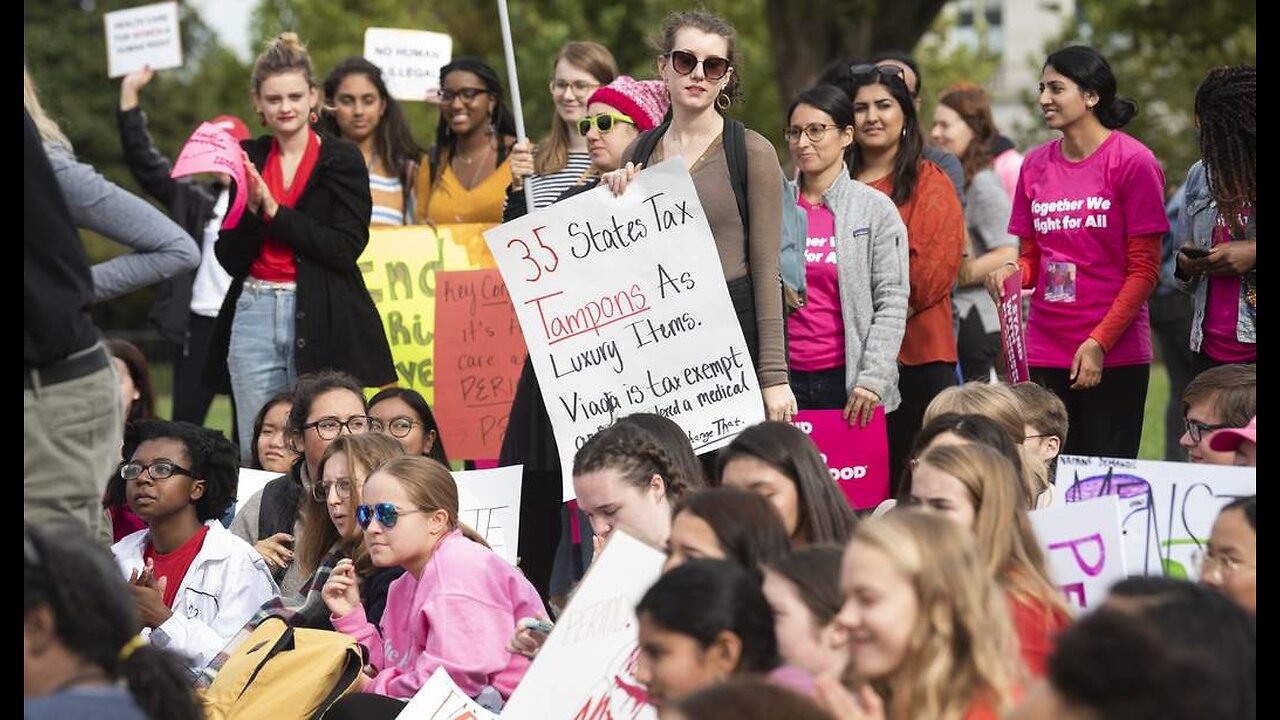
{"points": [[211, 149], [1012, 341], [858, 457]]}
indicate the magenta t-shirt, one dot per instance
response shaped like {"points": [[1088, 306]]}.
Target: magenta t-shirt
{"points": [[1222, 313], [1082, 215], [816, 331]]}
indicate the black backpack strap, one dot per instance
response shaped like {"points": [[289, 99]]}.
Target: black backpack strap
{"points": [[647, 143], [735, 154]]}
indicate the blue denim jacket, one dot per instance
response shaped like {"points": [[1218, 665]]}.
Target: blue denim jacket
{"points": [[1195, 225]]}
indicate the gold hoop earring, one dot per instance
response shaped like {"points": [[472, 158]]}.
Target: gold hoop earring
{"points": [[723, 101]]}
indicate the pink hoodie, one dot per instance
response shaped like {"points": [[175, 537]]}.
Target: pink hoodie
{"points": [[459, 616]]}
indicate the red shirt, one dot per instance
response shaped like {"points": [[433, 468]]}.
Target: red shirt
{"points": [[275, 260], [1037, 625], [175, 565]]}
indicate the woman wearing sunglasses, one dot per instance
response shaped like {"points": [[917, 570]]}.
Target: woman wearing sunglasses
{"points": [[405, 415], [887, 154], [562, 160], [697, 64], [454, 607], [844, 342]]}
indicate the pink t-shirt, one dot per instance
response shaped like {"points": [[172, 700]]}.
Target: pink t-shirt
{"points": [[1082, 215], [1221, 314], [816, 331]]}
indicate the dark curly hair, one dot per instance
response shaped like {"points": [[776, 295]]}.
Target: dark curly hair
{"points": [[1227, 109], [213, 458]]}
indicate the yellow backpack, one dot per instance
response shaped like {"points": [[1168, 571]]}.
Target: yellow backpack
{"points": [[284, 673]]}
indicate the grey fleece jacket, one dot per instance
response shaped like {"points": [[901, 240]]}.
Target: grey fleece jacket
{"points": [[161, 247], [871, 260]]}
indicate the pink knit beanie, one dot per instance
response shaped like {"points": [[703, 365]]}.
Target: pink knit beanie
{"points": [[644, 101]]}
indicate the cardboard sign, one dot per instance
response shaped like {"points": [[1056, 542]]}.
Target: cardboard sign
{"points": [[489, 503], [1084, 548], [1166, 509], [212, 149], [624, 309], [142, 36], [1013, 341], [250, 482], [410, 59], [586, 669], [399, 266], [478, 361], [441, 699], [858, 457]]}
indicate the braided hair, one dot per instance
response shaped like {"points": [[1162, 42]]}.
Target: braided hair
{"points": [[1226, 107], [635, 454]]}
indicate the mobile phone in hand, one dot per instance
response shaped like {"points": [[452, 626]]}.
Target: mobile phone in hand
{"points": [[1195, 253]]}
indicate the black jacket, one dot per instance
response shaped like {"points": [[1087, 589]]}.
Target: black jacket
{"points": [[337, 325], [189, 202]]}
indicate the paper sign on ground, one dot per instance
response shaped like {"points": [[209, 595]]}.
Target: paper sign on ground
{"points": [[1166, 509], [624, 309], [1084, 548], [142, 36], [410, 59], [439, 698], [587, 667], [858, 457], [479, 355], [489, 502], [1013, 342], [250, 482], [212, 149]]}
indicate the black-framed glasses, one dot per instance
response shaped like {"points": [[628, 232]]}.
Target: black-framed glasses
{"points": [[814, 131], [468, 95], [1197, 429], [159, 470], [886, 71], [386, 514], [330, 427], [397, 427], [579, 87], [713, 66], [320, 490], [604, 122]]}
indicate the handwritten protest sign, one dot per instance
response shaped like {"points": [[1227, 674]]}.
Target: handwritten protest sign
{"points": [[142, 36], [440, 698], [1166, 509], [1084, 547], [858, 457], [212, 149], [1012, 340], [399, 267], [624, 309], [410, 59], [250, 482], [489, 503], [478, 361], [586, 669]]}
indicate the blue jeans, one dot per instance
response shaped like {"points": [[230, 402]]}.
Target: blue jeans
{"points": [[260, 357], [820, 389]]}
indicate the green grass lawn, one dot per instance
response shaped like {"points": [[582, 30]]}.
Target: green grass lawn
{"points": [[219, 417]]}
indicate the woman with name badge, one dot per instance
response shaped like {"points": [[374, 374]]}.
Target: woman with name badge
{"points": [[1090, 211]]}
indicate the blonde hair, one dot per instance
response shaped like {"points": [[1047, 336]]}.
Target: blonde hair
{"points": [[1000, 404], [283, 54], [45, 125], [430, 487], [590, 57], [364, 454], [962, 648], [1001, 526]]}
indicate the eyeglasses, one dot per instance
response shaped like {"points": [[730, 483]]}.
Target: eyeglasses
{"points": [[1197, 429], [398, 427], [386, 514], [713, 67], [579, 87], [885, 71], [320, 491], [1207, 563], [328, 428], [468, 95], [604, 122], [158, 470], [814, 131]]}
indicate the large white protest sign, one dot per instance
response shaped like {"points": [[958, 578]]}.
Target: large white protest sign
{"points": [[251, 481], [624, 309], [142, 36], [587, 667], [1166, 509], [439, 698], [410, 59], [1083, 545], [489, 502]]}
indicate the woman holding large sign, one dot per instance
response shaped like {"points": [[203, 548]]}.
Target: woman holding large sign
{"points": [[697, 63]]}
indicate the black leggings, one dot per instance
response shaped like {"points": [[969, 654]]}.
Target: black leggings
{"points": [[1105, 420]]}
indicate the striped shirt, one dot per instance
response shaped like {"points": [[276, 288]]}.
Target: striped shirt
{"points": [[388, 197], [548, 188]]}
